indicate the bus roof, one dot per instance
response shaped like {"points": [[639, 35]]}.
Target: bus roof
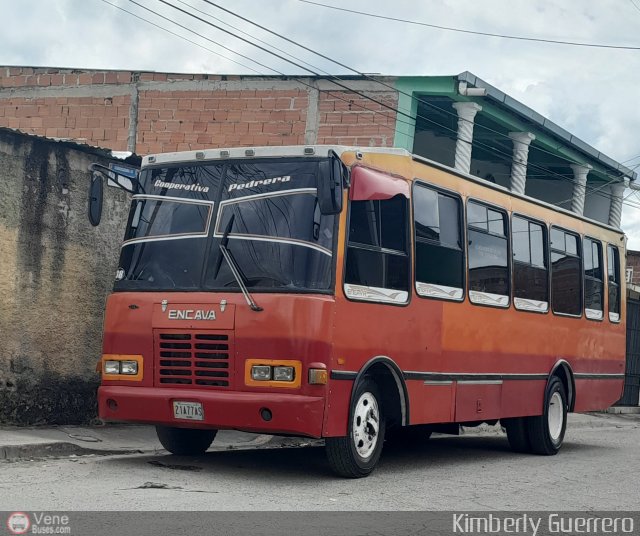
{"points": [[324, 150]]}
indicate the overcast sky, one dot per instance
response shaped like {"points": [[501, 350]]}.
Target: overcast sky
{"points": [[593, 93]]}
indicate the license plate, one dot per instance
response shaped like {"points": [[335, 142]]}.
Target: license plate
{"points": [[191, 411]]}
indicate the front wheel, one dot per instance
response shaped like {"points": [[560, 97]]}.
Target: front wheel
{"points": [[356, 454], [185, 441], [546, 431]]}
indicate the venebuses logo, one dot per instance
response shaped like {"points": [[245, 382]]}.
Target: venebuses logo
{"points": [[38, 523], [18, 523]]}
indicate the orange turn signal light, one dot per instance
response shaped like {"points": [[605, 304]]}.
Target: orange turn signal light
{"points": [[318, 376]]}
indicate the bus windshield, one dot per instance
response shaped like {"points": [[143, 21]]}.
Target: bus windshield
{"points": [[265, 212]]}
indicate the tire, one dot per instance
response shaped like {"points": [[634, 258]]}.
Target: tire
{"points": [[546, 431], [185, 441], [356, 454], [517, 434]]}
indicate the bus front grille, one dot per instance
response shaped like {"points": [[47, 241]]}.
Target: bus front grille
{"points": [[196, 359]]}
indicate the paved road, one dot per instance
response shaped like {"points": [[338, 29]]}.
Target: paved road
{"points": [[598, 468]]}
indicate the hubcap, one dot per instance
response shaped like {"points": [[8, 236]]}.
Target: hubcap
{"points": [[366, 424], [555, 416]]}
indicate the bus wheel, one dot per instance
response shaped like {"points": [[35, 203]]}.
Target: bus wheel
{"points": [[546, 432], [357, 454], [185, 441], [517, 434]]}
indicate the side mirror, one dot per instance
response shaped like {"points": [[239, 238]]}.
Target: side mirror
{"points": [[96, 192], [330, 187], [117, 177]]}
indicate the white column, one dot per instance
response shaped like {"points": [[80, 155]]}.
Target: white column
{"points": [[521, 142], [615, 209], [580, 172], [466, 114]]}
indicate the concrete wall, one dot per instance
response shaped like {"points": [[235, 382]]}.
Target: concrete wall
{"points": [[56, 271], [147, 112]]}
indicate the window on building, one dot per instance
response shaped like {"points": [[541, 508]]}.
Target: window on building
{"points": [[488, 255], [530, 265], [593, 279], [377, 267], [438, 237], [566, 273], [613, 273]]}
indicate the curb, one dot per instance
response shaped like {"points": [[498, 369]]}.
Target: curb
{"points": [[52, 450], [61, 449], [624, 410]]}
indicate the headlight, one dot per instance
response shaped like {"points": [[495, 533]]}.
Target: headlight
{"points": [[261, 373], [122, 367], [128, 367], [112, 367], [283, 374], [268, 373]]}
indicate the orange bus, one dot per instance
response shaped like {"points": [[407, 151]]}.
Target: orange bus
{"points": [[352, 295]]}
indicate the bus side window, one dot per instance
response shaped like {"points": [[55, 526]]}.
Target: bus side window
{"points": [[613, 272], [488, 255], [439, 251], [530, 265], [566, 276], [593, 280], [377, 265]]}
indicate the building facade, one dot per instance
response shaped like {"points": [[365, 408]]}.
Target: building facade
{"points": [[458, 120]]}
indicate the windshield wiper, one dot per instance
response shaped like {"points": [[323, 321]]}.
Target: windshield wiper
{"points": [[233, 265], [236, 273], [223, 241]]}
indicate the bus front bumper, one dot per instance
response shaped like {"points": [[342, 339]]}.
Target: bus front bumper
{"points": [[290, 414]]}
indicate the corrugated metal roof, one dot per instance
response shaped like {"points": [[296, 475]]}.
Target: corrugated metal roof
{"points": [[124, 156]]}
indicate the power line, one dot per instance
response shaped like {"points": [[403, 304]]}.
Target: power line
{"points": [[243, 32], [492, 149], [368, 77], [478, 144], [237, 53], [473, 32], [180, 36], [202, 36]]}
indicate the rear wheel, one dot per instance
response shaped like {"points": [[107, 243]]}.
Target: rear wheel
{"points": [[517, 434], [546, 431], [357, 454], [185, 441]]}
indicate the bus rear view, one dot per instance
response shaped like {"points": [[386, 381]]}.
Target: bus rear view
{"points": [[222, 307]]}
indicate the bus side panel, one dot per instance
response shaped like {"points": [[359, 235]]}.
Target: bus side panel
{"points": [[477, 402], [431, 403], [336, 414], [594, 395], [520, 398]]}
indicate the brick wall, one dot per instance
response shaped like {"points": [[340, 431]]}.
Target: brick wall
{"points": [[348, 119], [633, 263], [159, 112]]}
